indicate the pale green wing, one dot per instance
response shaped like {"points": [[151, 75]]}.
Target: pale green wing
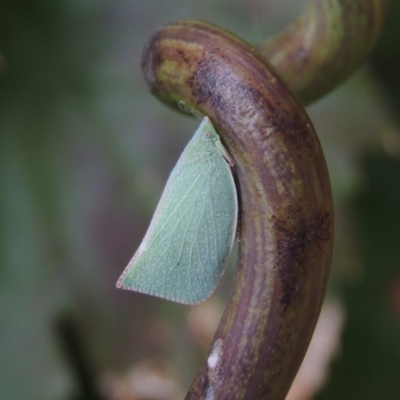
{"points": [[185, 250]]}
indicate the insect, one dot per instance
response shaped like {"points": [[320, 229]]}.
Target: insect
{"points": [[184, 252]]}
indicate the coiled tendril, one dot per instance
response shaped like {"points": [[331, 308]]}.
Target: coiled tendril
{"points": [[285, 199]]}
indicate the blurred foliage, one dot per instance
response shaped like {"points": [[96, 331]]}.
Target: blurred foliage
{"points": [[84, 154]]}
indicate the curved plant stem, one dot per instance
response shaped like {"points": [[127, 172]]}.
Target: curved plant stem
{"points": [[286, 206], [285, 200], [326, 44]]}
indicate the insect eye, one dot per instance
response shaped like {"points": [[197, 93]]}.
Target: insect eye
{"points": [[207, 135]]}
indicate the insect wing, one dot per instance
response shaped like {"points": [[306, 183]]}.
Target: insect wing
{"points": [[185, 250]]}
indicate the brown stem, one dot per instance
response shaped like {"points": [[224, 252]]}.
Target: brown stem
{"points": [[285, 206], [326, 44]]}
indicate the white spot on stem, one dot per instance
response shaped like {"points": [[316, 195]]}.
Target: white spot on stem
{"points": [[214, 358]]}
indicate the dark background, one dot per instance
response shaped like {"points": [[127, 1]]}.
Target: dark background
{"points": [[84, 154]]}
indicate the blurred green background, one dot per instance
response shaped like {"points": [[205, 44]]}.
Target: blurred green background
{"points": [[84, 154]]}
